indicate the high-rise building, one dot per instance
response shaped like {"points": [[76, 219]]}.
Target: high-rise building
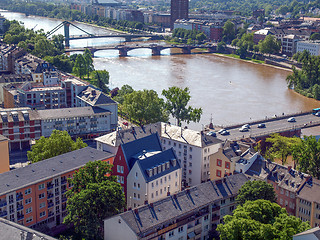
{"points": [[179, 10]]}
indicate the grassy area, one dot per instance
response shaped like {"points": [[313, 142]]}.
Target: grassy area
{"points": [[238, 57]]}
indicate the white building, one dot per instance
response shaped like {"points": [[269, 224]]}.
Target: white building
{"points": [[313, 47], [153, 176]]}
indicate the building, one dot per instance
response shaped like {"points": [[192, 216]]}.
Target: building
{"points": [[85, 122], [191, 214], [2, 20], [289, 45], [13, 231], [308, 202], [287, 183], [126, 156], [191, 147], [179, 10], [35, 195], [153, 176], [20, 126], [4, 152], [311, 234], [313, 47]]}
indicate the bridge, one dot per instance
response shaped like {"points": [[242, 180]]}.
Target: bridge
{"points": [[68, 38], [155, 48]]}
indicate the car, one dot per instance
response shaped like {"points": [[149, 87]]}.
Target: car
{"points": [[221, 130], [292, 119], [211, 133], [225, 132], [246, 126], [125, 123], [317, 114], [261, 125], [244, 129]]}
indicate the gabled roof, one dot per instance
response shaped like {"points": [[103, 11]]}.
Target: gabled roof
{"points": [[94, 96], [155, 160], [148, 143], [158, 215], [260, 168], [310, 191], [313, 231]]}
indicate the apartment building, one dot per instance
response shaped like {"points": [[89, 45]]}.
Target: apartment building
{"points": [[152, 177], [191, 214], [35, 195], [4, 152], [313, 47], [289, 44], [308, 202], [85, 122], [20, 126], [191, 147]]}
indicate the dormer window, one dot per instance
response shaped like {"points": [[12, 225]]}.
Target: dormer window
{"points": [[159, 169]]}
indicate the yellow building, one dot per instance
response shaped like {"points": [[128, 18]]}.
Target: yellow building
{"points": [[4, 154], [308, 202]]}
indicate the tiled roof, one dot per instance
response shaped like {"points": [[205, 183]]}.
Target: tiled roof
{"points": [[148, 143], [310, 191], [36, 172], [260, 168], [292, 180], [70, 112], [18, 114], [13, 231], [12, 78], [150, 217], [158, 159]]}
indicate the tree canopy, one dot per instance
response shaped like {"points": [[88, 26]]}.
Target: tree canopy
{"points": [[269, 45], [58, 143], [144, 107], [260, 220], [94, 196], [100, 79], [176, 105], [254, 190]]}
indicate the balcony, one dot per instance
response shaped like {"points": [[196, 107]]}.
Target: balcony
{"points": [[93, 119], [49, 186], [63, 181], [3, 203], [50, 204], [20, 217], [82, 120], [63, 199], [63, 191], [70, 121], [19, 207], [215, 208], [50, 195], [50, 214], [215, 218], [93, 125], [19, 197], [3, 214]]}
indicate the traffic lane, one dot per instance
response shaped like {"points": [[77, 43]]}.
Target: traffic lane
{"points": [[272, 126]]}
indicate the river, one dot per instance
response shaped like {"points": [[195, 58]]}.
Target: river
{"points": [[229, 90]]}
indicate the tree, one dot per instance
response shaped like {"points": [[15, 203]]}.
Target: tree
{"points": [[87, 56], [221, 47], [125, 89], [254, 190], [94, 196], [58, 143], [229, 31], [269, 45], [281, 146], [101, 79], [79, 67], [308, 154], [260, 219], [144, 107], [176, 105], [315, 36]]}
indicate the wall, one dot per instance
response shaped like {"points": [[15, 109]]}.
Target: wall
{"points": [[4, 159]]}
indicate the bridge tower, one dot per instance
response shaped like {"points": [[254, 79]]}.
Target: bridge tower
{"points": [[66, 26]]}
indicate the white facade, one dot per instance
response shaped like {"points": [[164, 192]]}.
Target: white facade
{"points": [[312, 47]]}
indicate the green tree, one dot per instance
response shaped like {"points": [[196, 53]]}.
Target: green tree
{"points": [[144, 107], [281, 146], [269, 45], [88, 62], [308, 154], [79, 67], [176, 105], [315, 36], [254, 190], [221, 47], [229, 31], [125, 89], [58, 143], [101, 79], [58, 42], [260, 220], [201, 37], [95, 195], [283, 10]]}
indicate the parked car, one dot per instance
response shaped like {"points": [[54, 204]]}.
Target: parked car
{"points": [[261, 125], [317, 114], [211, 133], [221, 130], [246, 126], [292, 119]]}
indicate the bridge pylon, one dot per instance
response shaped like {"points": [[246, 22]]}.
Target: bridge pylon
{"points": [[66, 26]]}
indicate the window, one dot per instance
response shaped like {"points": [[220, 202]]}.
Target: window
{"points": [[138, 185], [219, 162], [171, 234], [29, 210], [28, 200], [42, 214], [27, 191], [41, 186], [30, 219], [120, 169], [227, 165], [223, 201], [136, 175], [134, 185], [152, 185], [151, 195], [42, 205], [180, 229], [206, 218], [42, 195], [218, 173]]}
